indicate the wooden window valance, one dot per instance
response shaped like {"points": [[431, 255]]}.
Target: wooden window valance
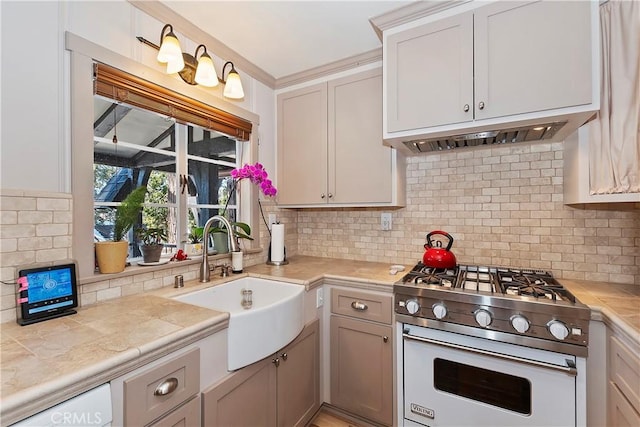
{"points": [[121, 86]]}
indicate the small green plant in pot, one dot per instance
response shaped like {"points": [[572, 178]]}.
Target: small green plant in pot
{"points": [[241, 230], [151, 242], [112, 255], [194, 244]]}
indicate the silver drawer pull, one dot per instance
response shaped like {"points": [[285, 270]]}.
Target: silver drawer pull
{"points": [[360, 306], [167, 386]]}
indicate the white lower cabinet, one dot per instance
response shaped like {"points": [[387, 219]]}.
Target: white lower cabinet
{"points": [[362, 354], [281, 390], [624, 383]]}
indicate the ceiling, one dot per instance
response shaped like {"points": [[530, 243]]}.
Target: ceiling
{"points": [[287, 37]]}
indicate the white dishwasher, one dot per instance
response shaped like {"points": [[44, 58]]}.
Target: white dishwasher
{"points": [[90, 409]]}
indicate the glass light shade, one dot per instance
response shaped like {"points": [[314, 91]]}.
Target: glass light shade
{"points": [[233, 88], [175, 65], [170, 49], [206, 72]]}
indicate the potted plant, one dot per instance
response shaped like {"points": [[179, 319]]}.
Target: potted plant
{"points": [[194, 245], [112, 255], [241, 230], [151, 242]]}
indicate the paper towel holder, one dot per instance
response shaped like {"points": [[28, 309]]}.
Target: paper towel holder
{"points": [[285, 261]]}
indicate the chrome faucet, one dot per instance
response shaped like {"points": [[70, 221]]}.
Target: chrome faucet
{"points": [[205, 274]]}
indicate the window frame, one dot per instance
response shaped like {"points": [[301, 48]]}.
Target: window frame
{"points": [[80, 57]]}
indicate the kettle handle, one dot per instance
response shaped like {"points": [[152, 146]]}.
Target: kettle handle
{"points": [[443, 233]]}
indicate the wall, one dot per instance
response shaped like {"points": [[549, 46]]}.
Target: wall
{"points": [[35, 139], [503, 206]]}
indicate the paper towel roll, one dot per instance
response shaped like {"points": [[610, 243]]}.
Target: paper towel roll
{"points": [[277, 242]]}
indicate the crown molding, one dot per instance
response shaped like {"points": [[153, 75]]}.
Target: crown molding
{"points": [[348, 63], [409, 13], [165, 14]]}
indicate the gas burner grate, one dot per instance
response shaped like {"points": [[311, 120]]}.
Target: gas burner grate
{"points": [[423, 275], [533, 283], [478, 279]]}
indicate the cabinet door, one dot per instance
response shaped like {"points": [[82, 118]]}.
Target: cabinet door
{"points": [[186, 415], [361, 368], [359, 164], [299, 378], [429, 74], [246, 398], [302, 146], [532, 56], [621, 413]]}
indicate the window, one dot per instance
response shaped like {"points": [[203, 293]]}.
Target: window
{"points": [[192, 116], [134, 147]]}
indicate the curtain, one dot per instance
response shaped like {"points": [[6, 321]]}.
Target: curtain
{"points": [[614, 134]]}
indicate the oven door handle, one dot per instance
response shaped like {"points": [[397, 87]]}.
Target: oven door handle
{"points": [[570, 369]]}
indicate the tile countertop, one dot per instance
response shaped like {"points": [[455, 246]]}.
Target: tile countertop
{"points": [[48, 362], [45, 363], [615, 304]]}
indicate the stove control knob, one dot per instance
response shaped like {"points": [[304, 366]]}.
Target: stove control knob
{"points": [[483, 317], [520, 323], [412, 306], [558, 329], [439, 310]]}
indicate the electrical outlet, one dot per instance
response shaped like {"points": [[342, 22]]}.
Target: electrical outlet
{"points": [[385, 221], [272, 219], [319, 297]]}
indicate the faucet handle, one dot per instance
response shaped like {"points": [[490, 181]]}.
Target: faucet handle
{"points": [[224, 269]]}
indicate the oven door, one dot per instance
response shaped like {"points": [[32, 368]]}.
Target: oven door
{"points": [[457, 380]]}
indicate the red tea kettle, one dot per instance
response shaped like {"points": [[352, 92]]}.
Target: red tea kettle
{"points": [[437, 257]]}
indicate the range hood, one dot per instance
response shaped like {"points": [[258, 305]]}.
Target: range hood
{"points": [[486, 133], [537, 132]]}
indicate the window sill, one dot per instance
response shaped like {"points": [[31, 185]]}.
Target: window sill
{"points": [[133, 268]]}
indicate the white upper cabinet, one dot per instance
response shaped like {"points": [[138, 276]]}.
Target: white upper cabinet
{"points": [[480, 66], [330, 150], [576, 174], [429, 75], [302, 146]]}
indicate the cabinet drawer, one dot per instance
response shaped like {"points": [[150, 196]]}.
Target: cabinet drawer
{"points": [[362, 305], [621, 413], [144, 397], [186, 415], [625, 371]]}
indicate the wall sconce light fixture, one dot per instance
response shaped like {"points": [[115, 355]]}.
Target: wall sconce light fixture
{"points": [[191, 68]]}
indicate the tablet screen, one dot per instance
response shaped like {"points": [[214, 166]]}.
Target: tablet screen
{"points": [[50, 291]]}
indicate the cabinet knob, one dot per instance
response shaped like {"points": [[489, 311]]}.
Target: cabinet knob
{"points": [[322, 196], [385, 338], [276, 362], [284, 356], [466, 107], [481, 105], [167, 386], [330, 195]]}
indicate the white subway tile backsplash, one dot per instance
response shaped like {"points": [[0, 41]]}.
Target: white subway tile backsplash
{"points": [[502, 205], [517, 202]]}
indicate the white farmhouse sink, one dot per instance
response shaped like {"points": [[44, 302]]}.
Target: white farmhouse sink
{"points": [[275, 318]]}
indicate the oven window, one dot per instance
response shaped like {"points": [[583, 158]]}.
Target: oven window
{"points": [[495, 388]]}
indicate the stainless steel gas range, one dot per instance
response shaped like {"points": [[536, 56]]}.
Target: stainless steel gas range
{"points": [[489, 346]]}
